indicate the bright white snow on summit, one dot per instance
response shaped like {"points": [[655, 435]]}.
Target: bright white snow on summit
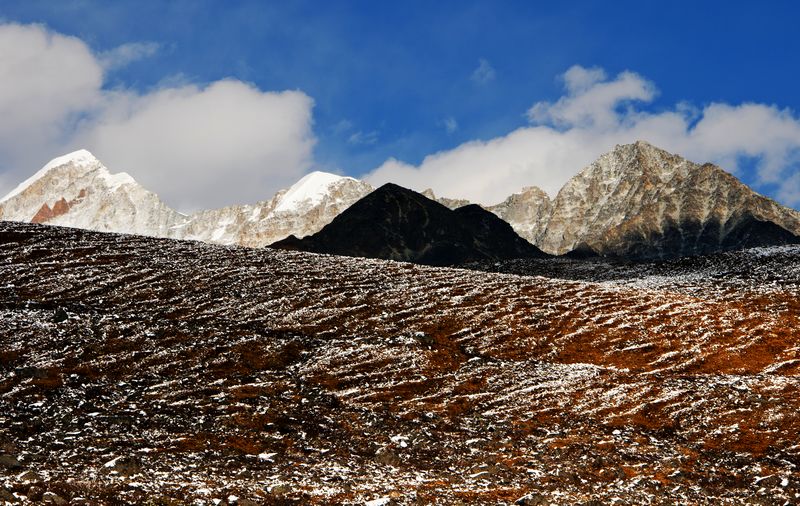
{"points": [[310, 190], [79, 158]]}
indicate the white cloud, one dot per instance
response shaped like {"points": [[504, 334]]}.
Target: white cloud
{"points": [[127, 53], [47, 81], [594, 114], [591, 100], [483, 73], [215, 145], [196, 146]]}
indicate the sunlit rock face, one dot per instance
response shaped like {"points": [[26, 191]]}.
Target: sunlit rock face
{"points": [[300, 210], [76, 190], [639, 201], [527, 212]]}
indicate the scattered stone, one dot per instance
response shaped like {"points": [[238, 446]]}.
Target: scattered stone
{"points": [[35, 493], [60, 315], [381, 501], [279, 490], [28, 476], [532, 499], [7, 496], [388, 458], [125, 466], [53, 498]]}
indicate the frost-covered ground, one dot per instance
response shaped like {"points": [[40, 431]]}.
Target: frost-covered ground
{"points": [[136, 369]]}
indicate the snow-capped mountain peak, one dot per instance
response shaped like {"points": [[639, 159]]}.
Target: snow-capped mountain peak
{"points": [[300, 210], [81, 160], [77, 190], [309, 191]]}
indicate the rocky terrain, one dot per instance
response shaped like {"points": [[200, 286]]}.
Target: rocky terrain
{"points": [[395, 223], [528, 212], [138, 370]]}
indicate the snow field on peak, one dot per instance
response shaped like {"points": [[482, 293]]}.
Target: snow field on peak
{"points": [[80, 158], [115, 181], [312, 188]]}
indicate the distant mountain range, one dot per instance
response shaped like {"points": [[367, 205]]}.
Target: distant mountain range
{"points": [[636, 202], [76, 190]]}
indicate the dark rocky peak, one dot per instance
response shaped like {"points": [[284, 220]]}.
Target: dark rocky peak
{"points": [[396, 223]]}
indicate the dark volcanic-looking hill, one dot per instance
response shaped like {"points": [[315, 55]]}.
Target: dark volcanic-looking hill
{"points": [[395, 223], [137, 370]]}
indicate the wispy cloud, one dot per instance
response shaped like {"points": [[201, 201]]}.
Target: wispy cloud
{"points": [[450, 124], [126, 54], [342, 126], [483, 73], [363, 138]]}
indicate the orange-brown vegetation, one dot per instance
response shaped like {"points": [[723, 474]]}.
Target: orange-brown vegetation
{"points": [[283, 377]]}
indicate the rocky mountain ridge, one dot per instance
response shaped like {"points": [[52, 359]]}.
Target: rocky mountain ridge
{"points": [[76, 190], [641, 201]]}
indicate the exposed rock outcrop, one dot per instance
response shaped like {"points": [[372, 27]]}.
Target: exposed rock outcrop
{"points": [[639, 201], [527, 212]]}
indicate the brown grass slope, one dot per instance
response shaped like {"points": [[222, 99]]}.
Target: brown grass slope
{"points": [[136, 370]]}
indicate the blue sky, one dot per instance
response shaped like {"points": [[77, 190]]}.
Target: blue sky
{"points": [[405, 80]]}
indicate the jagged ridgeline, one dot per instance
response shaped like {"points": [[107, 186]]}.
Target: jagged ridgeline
{"points": [[636, 202]]}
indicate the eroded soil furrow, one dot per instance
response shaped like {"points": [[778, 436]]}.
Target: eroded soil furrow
{"points": [[136, 369]]}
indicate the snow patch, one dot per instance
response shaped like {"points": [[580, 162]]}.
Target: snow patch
{"points": [[80, 158], [311, 189], [114, 181]]}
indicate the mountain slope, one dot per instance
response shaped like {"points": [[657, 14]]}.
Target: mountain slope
{"points": [[639, 201], [636, 202], [136, 370], [301, 210], [445, 201], [527, 212], [395, 223]]}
